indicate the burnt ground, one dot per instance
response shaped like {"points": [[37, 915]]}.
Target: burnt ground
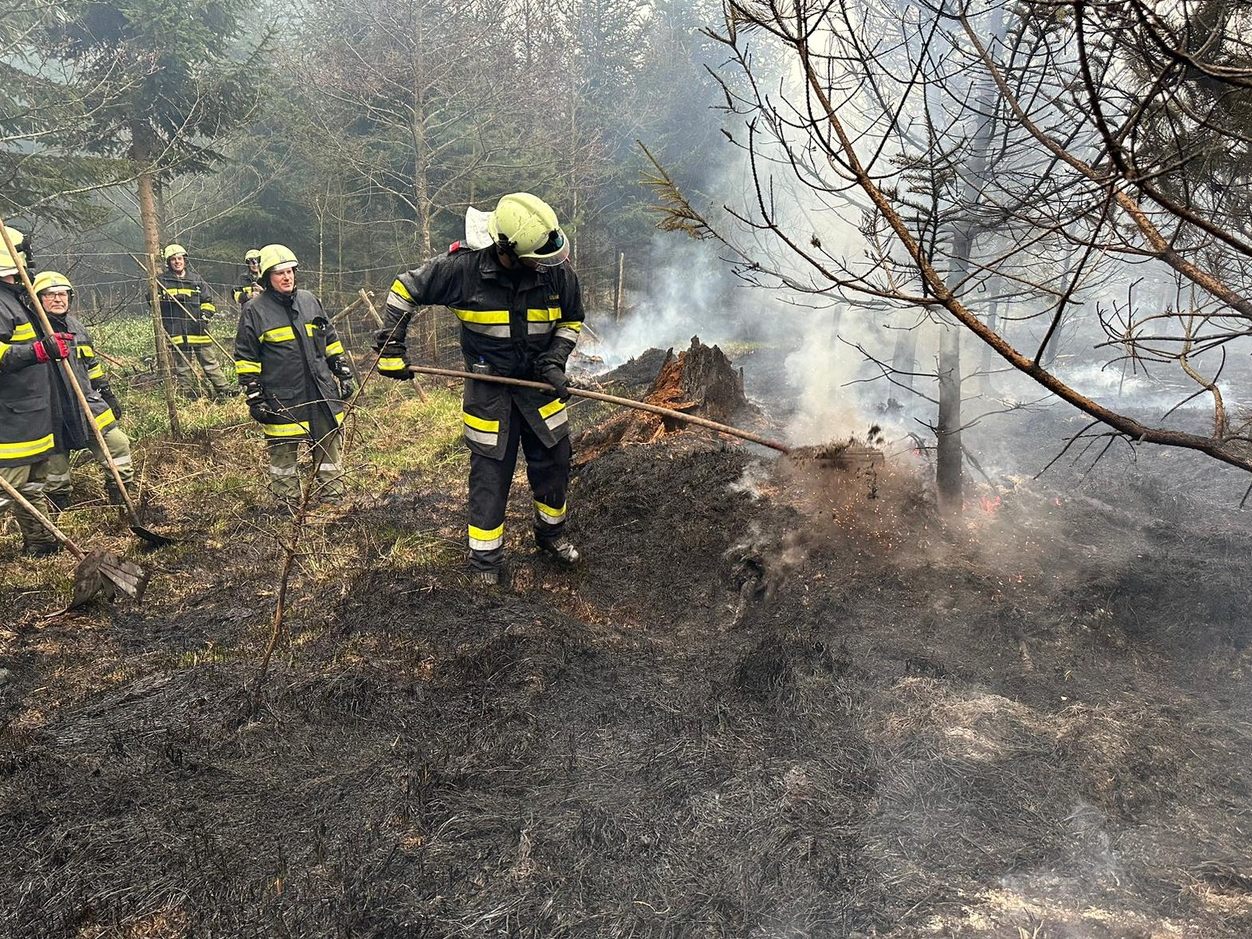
{"points": [[779, 699]]}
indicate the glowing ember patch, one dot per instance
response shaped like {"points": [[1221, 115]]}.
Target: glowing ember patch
{"points": [[990, 504]]}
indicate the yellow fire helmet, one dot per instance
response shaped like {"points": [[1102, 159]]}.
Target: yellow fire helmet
{"points": [[276, 258], [46, 280], [253, 255], [172, 251], [7, 264], [527, 227]]}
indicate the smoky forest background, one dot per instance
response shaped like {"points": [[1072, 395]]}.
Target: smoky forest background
{"points": [[964, 651], [1058, 187]]}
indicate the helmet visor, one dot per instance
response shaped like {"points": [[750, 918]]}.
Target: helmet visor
{"points": [[553, 252]]}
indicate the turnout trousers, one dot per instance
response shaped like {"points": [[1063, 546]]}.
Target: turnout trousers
{"points": [[29, 481], [284, 466], [59, 487], [202, 352], [547, 469]]}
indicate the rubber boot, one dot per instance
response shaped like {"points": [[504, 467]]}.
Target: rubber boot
{"points": [[488, 574], [41, 549], [59, 501]]}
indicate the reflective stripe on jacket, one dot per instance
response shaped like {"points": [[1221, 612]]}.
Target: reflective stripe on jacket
{"points": [[285, 344], [247, 288], [26, 408], [515, 322], [87, 369], [185, 307]]}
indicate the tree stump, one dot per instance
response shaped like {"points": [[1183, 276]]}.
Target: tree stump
{"points": [[699, 380]]}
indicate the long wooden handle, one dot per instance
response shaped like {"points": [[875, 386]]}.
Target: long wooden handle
{"points": [[611, 399], [68, 370], [417, 385], [43, 520]]}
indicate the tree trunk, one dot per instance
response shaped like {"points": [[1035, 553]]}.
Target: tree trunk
{"points": [[1053, 346], [949, 469], [949, 464], [903, 364], [339, 240], [319, 208], [427, 334], [993, 323], [618, 296], [152, 247]]}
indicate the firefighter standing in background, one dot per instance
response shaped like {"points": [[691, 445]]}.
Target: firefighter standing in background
{"points": [[295, 375], [521, 313], [186, 309], [250, 281], [57, 295], [29, 406]]}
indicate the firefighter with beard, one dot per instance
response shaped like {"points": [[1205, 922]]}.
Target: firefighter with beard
{"points": [[56, 294], [520, 312], [186, 309], [295, 376], [249, 282], [30, 408]]}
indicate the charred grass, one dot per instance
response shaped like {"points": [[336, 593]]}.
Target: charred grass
{"points": [[767, 705]]}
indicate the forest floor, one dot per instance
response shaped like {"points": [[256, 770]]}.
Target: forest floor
{"points": [[780, 698]]}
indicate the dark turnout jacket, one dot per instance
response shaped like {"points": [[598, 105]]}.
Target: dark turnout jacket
{"points": [[247, 287], [285, 343], [26, 399], [88, 371], [186, 307], [515, 322], [39, 413]]}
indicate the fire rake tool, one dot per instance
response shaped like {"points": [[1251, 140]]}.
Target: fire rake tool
{"points": [[611, 399], [71, 381], [417, 385], [98, 571]]}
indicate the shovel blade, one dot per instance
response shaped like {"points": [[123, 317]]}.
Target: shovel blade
{"points": [[150, 537], [102, 573]]}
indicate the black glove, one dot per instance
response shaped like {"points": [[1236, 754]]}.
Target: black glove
{"points": [[110, 399], [342, 371], [259, 404], [340, 368], [554, 375], [391, 362]]}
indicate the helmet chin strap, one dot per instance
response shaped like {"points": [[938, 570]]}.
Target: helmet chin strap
{"points": [[508, 247]]}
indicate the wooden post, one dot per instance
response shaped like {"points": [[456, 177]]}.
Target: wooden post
{"points": [[152, 245], [619, 296], [164, 362]]}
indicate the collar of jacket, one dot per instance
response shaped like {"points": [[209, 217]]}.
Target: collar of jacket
{"points": [[286, 299], [491, 268]]}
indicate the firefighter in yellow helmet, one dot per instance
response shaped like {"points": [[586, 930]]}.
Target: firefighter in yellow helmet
{"points": [[520, 311], [250, 280], [295, 375], [56, 294], [186, 308], [29, 404]]}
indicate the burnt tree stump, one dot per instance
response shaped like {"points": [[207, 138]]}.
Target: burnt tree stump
{"points": [[699, 380]]}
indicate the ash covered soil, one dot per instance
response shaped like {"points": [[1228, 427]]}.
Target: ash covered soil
{"points": [[780, 698]]}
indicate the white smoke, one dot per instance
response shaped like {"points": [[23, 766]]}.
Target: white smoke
{"points": [[689, 292]]}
